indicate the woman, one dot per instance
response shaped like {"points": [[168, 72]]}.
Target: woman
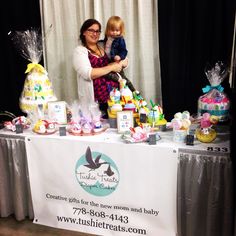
{"points": [[92, 65]]}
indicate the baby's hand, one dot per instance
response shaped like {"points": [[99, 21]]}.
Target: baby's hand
{"points": [[117, 58], [116, 67], [124, 62]]}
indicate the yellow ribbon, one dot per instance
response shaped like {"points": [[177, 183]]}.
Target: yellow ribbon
{"points": [[35, 66]]}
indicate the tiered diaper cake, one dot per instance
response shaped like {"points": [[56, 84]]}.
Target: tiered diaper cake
{"points": [[37, 89], [215, 101]]}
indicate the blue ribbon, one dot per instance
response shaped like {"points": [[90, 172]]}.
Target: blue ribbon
{"points": [[209, 88]]}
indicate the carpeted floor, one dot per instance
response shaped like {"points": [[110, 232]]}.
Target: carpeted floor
{"points": [[10, 227]]}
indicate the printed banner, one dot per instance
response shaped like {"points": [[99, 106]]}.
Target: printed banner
{"points": [[103, 188]]}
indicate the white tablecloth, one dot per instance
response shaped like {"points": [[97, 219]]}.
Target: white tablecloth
{"points": [[205, 186]]}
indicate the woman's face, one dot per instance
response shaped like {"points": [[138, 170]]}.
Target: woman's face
{"points": [[92, 34]]}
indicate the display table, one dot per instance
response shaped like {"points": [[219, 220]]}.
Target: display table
{"points": [[204, 179]]}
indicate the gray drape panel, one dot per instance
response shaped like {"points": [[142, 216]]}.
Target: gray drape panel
{"points": [[15, 197], [205, 194]]}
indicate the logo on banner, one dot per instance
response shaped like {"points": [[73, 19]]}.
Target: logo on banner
{"points": [[96, 173]]}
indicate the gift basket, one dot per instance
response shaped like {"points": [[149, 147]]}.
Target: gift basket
{"points": [[37, 90], [215, 101]]}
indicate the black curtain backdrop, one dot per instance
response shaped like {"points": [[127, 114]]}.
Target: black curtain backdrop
{"points": [[14, 16], [192, 34]]}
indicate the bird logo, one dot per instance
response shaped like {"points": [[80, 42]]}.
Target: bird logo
{"points": [[93, 164], [109, 171], [97, 173]]}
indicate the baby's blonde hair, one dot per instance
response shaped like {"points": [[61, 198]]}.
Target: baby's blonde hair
{"points": [[114, 22]]}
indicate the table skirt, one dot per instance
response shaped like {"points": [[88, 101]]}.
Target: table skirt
{"points": [[205, 199], [15, 196]]}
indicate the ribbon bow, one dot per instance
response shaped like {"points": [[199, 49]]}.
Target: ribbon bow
{"points": [[209, 88], [36, 66]]}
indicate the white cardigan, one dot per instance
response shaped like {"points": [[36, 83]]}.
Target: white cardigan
{"points": [[83, 68]]}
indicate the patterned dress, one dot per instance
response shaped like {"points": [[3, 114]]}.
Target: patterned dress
{"points": [[102, 86]]}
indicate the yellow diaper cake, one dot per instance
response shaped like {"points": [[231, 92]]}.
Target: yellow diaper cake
{"points": [[37, 89]]}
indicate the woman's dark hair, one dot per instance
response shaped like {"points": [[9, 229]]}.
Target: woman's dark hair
{"points": [[85, 26]]}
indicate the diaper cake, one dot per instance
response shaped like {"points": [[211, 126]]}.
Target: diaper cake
{"points": [[74, 127], [20, 120], [129, 106], [126, 94], [215, 101], [115, 95], [37, 88], [155, 115], [44, 127], [115, 108]]}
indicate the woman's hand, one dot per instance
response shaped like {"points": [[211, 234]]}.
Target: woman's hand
{"points": [[116, 66]]}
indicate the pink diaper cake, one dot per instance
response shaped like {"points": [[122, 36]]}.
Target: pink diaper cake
{"points": [[215, 101]]}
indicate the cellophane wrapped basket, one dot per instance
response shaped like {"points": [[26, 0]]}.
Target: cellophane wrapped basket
{"points": [[214, 100], [37, 90]]}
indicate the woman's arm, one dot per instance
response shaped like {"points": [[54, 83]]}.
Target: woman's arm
{"points": [[83, 66], [112, 67]]}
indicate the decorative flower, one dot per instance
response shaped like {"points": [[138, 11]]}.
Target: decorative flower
{"points": [[208, 120]]}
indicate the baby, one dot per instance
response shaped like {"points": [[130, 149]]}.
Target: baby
{"points": [[115, 47]]}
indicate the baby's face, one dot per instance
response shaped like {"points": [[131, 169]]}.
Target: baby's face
{"points": [[114, 32]]}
